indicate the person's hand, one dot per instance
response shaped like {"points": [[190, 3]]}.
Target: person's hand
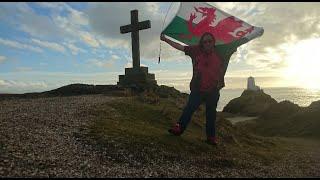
{"points": [[162, 37], [192, 16]]}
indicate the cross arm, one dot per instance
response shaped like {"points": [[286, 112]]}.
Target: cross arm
{"points": [[144, 25], [126, 29], [130, 28]]}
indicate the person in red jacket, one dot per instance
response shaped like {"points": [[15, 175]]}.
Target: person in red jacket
{"points": [[207, 80]]}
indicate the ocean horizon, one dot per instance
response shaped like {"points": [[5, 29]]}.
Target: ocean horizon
{"points": [[300, 96]]}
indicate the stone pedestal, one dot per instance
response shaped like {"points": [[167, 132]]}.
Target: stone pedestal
{"points": [[137, 77]]}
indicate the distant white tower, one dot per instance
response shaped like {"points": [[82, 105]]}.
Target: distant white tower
{"points": [[251, 85]]}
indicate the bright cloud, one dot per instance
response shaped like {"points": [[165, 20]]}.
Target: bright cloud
{"points": [[18, 45], [104, 63], [9, 86], [74, 49], [49, 45], [89, 39]]}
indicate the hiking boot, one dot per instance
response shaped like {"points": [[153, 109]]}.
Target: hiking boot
{"points": [[212, 140], [176, 130]]}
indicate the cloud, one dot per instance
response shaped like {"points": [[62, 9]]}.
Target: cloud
{"points": [[74, 49], [63, 23], [73, 24], [78, 17], [66, 24], [105, 20], [57, 6], [13, 86], [98, 27], [19, 45], [49, 45], [74, 15], [104, 63], [89, 39], [285, 24], [114, 57], [114, 43], [101, 63], [73, 31], [129, 65], [2, 59], [22, 82], [282, 30], [22, 16]]}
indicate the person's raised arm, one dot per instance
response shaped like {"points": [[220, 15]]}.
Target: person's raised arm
{"points": [[171, 43]]}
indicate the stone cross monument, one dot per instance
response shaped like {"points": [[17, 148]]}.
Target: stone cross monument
{"points": [[137, 75]]}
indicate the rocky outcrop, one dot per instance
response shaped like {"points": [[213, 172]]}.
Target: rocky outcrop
{"points": [[284, 119], [306, 122], [314, 106], [281, 110], [250, 103]]}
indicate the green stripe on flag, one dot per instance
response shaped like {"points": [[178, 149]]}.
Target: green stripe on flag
{"points": [[178, 27]]}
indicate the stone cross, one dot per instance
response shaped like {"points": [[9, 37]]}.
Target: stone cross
{"points": [[134, 28]]}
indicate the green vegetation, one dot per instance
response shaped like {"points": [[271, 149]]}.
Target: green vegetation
{"points": [[137, 126]]}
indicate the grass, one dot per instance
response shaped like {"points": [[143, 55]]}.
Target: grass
{"points": [[142, 124], [139, 130]]}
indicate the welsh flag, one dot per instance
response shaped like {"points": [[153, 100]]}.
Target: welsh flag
{"points": [[195, 18]]}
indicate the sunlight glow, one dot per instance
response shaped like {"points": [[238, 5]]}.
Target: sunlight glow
{"points": [[304, 64]]}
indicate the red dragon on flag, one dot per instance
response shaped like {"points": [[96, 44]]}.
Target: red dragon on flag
{"points": [[225, 29], [195, 18]]}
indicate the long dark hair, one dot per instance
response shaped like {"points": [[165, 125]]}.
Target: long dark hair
{"points": [[203, 35]]}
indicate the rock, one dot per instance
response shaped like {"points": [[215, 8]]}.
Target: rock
{"points": [[250, 103], [282, 109], [165, 92], [290, 120], [314, 106]]}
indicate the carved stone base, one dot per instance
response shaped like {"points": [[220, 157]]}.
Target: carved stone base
{"points": [[138, 77]]}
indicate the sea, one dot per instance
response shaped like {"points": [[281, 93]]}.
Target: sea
{"points": [[300, 96]]}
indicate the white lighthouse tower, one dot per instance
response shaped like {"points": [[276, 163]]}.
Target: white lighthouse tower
{"points": [[251, 85]]}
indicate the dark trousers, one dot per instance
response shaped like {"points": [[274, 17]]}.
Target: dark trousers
{"points": [[195, 99]]}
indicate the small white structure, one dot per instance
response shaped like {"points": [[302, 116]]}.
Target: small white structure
{"points": [[251, 85]]}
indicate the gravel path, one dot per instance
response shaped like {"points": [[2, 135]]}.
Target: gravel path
{"points": [[237, 119], [38, 138], [302, 159]]}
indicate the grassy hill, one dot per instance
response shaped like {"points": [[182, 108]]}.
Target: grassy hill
{"points": [[136, 128]]}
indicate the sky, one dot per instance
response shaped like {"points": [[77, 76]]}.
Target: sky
{"points": [[48, 45]]}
